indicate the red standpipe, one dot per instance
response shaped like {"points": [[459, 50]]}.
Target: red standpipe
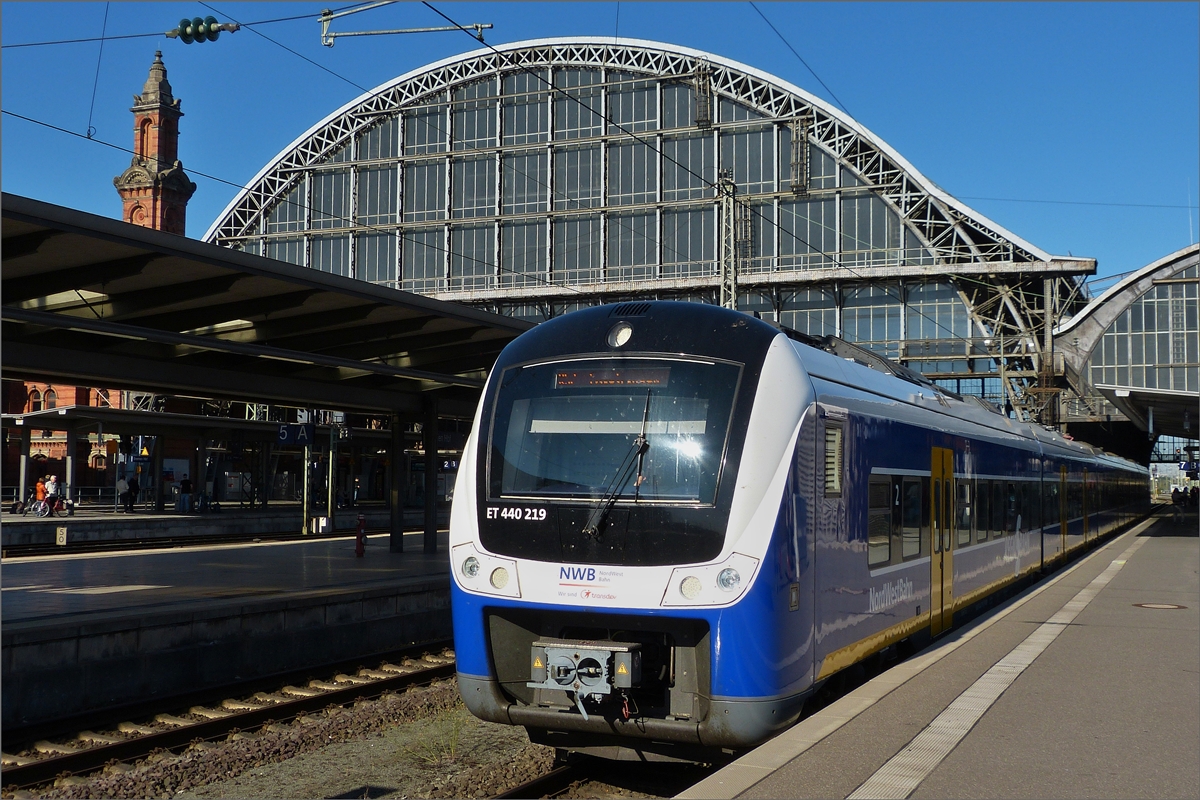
{"points": [[360, 537]]}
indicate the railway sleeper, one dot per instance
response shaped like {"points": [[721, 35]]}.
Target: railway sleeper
{"points": [[240, 705], [133, 727], [53, 748], [326, 685], [173, 721], [100, 738], [301, 691], [9, 760], [353, 679], [210, 713], [264, 697], [374, 673], [396, 669]]}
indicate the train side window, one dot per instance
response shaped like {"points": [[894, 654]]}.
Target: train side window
{"points": [[926, 512], [962, 517], [879, 521], [1010, 508], [1050, 506], [1034, 505], [910, 531], [833, 460], [997, 509], [983, 516], [1025, 505]]}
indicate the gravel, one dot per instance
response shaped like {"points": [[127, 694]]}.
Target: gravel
{"points": [[419, 743]]}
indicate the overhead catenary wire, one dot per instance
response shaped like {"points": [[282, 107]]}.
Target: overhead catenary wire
{"points": [[96, 83], [106, 38], [538, 277], [302, 206], [497, 265], [788, 44]]}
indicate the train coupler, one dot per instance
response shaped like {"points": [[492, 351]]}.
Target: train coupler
{"points": [[586, 669]]}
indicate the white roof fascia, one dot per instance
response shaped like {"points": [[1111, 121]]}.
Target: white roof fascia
{"points": [[1122, 284]]}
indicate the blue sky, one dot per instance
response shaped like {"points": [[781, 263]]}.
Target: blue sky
{"points": [[1074, 125]]}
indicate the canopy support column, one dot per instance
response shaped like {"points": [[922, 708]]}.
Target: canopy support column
{"points": [[429, 432]]}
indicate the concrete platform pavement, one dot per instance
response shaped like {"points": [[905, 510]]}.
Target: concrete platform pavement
{"points": [[87, 632], [92, 524], [1087, 685]]}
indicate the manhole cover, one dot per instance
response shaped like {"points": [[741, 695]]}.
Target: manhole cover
{"points": [[1163, 606]]}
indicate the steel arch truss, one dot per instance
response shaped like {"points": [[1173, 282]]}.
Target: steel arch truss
{"points": [[952, 236], [1001, 281]]}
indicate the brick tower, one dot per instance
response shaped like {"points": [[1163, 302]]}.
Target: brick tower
{"points": [[155, 189]]}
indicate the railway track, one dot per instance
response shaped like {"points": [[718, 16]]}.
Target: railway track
{"points": [[584, 776], [553, 783], [45, 760]]}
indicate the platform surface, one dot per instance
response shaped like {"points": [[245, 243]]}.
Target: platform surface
{"points": [[57, 587], [1070, 689]]}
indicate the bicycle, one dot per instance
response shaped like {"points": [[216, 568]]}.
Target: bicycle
{"points": [[42, 508]]}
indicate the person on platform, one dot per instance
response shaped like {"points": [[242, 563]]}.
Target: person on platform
{"points": [[131, 495], [52, 491], [39, 490], [122, 491], [185, 495]]}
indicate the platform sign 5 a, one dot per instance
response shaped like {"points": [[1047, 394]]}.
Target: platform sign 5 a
{"points": [[297, 434]]}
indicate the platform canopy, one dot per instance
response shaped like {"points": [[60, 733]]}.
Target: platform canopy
{"points": [[99, 302]]}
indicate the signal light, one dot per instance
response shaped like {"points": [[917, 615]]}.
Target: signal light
{"points": [[201, 30]]}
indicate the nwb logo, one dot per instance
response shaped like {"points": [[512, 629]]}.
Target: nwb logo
{"points": [[577, 573]]}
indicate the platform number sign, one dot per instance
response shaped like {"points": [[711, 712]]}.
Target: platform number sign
{"points": [[60, 536], [297, 434]]}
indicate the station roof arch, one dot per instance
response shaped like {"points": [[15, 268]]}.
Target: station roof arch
{"points": [[1138, 344], [955, 234], [101, 302]]}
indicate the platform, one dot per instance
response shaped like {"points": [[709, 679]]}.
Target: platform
{"points": [[90, 631], [92, 524], [1085, 685]]}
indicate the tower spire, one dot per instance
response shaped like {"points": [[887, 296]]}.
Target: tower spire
{"points": [[154, 189]]}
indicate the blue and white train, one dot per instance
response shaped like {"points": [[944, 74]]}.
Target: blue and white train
{"points": [[673, 522]]}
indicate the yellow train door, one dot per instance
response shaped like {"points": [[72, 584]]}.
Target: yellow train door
{"points": [[941, 531]]}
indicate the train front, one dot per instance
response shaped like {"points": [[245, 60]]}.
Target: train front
{"points": [[626, 576]]}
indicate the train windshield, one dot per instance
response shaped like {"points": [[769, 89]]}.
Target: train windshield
{"points": [[633, 430]]}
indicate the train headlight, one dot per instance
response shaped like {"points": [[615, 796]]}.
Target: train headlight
{"points": [[499, 578], [729, 579], [484, 573], [620, 334], [719, 584]]}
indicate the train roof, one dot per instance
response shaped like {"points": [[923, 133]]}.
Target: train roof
{"points": [[841, 362]]}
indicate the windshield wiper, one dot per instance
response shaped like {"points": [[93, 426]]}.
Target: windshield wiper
{"points": [[636, 455]]}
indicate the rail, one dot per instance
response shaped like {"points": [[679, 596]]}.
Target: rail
{"points": [[168, 732]]}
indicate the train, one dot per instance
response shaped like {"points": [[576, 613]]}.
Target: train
{"points": [[674, 522]]}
